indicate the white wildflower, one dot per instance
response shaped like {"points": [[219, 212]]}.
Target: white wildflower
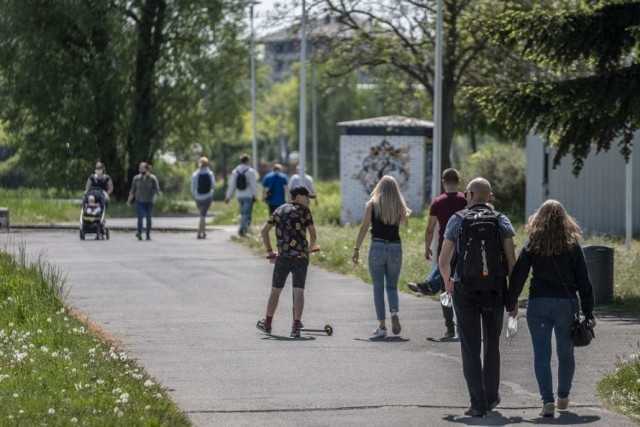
{"points": [[149, 383], [146, 408], [44, 349], [15, 395], [51, 411], [49, 319], [9, 299], [74, 420], [11, 324]]}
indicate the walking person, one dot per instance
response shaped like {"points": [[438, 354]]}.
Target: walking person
{"points": [[243, 184], [275, 187], [552, 250], [203, 182], [442, 209], [100, 179], [144, 190], [291, 221], [384, 213], [482, 242]]}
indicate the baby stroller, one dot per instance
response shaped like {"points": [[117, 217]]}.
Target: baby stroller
{"points": [[92, 215]]}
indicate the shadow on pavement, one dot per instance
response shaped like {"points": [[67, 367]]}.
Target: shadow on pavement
{"points": [[495, 418], [383, 339], [285, 338]]}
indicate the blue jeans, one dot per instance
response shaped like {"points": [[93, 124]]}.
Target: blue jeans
{"points": [[246, 207], [435, 278], [545, 315], [144, 210], [385, 261]]}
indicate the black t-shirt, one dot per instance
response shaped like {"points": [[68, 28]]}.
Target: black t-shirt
{"points": [[380, 230]]}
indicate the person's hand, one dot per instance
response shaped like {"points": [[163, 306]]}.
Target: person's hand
{"points": [[514, 312], [428, 254], [356, 256], [272, 256], [449, 285], [592, 322], [154, 199]]}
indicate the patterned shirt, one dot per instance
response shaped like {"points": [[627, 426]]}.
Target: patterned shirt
{"points": [[291, 221]]}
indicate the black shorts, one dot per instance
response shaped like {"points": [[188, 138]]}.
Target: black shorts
{"points": [[296, 266]]}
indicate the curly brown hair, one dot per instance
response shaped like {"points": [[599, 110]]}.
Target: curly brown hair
{"points": [[551, 230]]}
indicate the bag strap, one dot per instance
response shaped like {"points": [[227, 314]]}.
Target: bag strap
{"points": [[576, 310]]}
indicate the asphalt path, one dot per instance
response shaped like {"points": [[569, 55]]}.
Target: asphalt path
{"points": [[186, 309]]}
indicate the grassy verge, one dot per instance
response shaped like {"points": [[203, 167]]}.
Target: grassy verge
{"points": [[621, 390], [54, 370], [34, 206]]}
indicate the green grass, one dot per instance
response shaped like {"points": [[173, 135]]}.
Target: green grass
{"points": [[621, 390], [34, 206], [54, 370]]}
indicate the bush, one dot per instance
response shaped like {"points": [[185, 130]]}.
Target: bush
{"points": [[504, 165]]}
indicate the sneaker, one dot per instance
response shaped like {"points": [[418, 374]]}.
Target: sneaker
{"points": [[380, 332], [395, 323], [295, 331], [148, 237], [548, 410], [451, 333], [139, 236], [424, 288], [562, 403], [471, 412], [262, 325]]}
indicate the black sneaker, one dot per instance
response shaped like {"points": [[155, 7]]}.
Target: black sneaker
{"points": [[295, 331], [262, 325], [139, 236], [477, 413], [495, 403], [425, 288], [451, 333]]}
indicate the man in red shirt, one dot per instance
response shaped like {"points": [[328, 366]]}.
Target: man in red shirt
{"points": [[442, 208]]}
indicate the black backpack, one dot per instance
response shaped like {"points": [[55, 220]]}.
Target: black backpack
{"points": [[204, 183], [241, 180], [480, 264]]}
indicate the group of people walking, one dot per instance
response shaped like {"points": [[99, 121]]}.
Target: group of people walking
{"points": [[477, 266]]}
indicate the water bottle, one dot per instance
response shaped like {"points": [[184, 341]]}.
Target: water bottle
{"points": [[446, 300], [512, 327]]}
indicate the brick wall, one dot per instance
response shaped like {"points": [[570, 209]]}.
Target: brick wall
{"points": [[362, 157]]}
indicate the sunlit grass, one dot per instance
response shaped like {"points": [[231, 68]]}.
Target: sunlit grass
{"points": [[55, 371], [621, 389]]}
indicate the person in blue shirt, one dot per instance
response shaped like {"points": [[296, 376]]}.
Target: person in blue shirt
{"points": [[274, 188]]}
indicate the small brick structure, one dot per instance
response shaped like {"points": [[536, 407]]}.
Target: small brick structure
{"points": [[4, 219], [372, 148]]}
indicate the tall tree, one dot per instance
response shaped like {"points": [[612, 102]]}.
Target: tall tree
{"points": [[587, 94]]}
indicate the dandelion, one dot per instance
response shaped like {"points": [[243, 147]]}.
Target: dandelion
{"points": [[146, 408], [44, 349], [49, 319], [11, 324], [15, 395], [39, 331], [92, 351], [148, 383], [74, 420], [158, 396], [116, 391], [21, 411], [51, 411], [9, 299], [99, 381], [62, 310]]}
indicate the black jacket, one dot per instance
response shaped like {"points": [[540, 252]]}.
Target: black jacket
{"points": [[545, 280]]}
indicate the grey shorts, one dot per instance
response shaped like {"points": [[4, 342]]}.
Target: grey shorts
{"points": [[203, 206], [296, 266]]}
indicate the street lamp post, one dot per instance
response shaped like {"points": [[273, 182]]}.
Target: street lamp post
{"points": [[303, 86], [254, 142]]}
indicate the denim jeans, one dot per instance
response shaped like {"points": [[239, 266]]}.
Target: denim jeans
{"points": [[435, 278], [545, 315], [385, 261], [246, 206], [144, 210]]}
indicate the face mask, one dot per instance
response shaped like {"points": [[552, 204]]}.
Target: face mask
{"points": [[99, 172], [143, 172]]}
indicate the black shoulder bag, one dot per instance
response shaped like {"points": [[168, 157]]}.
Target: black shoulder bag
{"points": [[581, 332]]}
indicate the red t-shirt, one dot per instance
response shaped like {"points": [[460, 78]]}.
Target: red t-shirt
{"points": [[444, 207]]}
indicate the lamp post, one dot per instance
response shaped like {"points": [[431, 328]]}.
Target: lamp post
{"points": [[303, 86], [437, 119], [254, 142]]}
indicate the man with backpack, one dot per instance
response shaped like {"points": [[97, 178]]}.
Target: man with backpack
{"points": [[203, 182], [243, 183], [480, 241]]}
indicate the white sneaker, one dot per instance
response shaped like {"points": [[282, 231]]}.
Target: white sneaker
{"points": [[395, 323], [562, 403], [380, 332], [548, 410]]}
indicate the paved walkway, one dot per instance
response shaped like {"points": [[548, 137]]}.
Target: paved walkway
{"points": [[186, 310]]}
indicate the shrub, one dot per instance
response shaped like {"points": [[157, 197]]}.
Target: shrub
{"points": [[504, 165]]}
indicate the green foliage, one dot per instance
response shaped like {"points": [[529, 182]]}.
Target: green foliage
{"points": [[584, 94], [504, 165], [621, 389], [55, 370]]}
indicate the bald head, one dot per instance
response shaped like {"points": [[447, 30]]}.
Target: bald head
{"points": [[480, 190]]}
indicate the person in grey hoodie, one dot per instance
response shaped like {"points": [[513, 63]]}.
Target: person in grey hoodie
{"points": [[246, 190], [203, 182]]}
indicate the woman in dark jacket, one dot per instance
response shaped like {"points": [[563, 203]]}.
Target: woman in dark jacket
{"points": [[553, 252]]}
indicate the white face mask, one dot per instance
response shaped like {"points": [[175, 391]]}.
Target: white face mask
{"points": [[99, 172]]}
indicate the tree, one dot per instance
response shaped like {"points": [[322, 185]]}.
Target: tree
{"points": [[117, 80], [587, 93], [401, 34]]}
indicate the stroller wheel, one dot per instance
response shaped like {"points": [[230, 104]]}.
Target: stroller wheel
{"points": [[106, 233], [81, 234]]}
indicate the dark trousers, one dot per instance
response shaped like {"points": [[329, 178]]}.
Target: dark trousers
{"points": [[480, 316]]}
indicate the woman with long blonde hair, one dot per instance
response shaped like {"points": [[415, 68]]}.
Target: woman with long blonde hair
{"points": [[553, 252], [385, 212]]}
